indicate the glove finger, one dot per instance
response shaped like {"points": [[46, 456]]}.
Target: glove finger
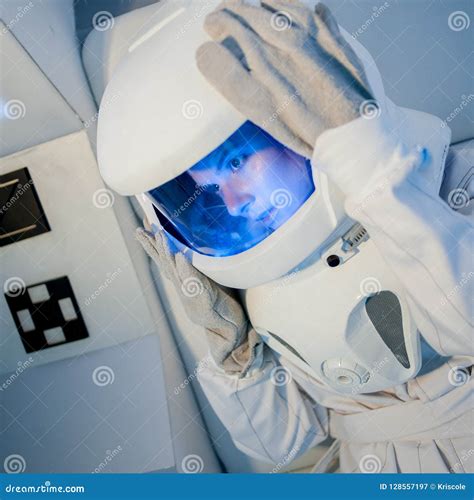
{"points": [[157, 251], [147, 240], [225, 72], [261, 58], [269, 25], [193, 283], [273, 68], [267, 62], [205, 302], [283, 134], [251, 26], [290, 12], [335, 44], [163, 247], [215, 29], [210, 304], [300, 117], [224, 24], [222, 70], [239, 88]]}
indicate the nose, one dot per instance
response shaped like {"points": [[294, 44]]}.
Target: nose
{"points": [[237, 203]]}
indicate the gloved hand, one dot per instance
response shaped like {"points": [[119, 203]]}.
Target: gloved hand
{"points": [[294, 81], [232, 340]]}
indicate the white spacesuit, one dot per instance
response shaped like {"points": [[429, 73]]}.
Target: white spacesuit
{"points": [[353, 271]]}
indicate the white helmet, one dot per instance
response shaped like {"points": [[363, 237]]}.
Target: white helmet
{"points": [[163, 130]]}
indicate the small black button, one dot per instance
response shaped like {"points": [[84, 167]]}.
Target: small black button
{"points": [[333, 261]]}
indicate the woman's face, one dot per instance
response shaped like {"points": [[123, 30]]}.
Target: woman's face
{"points": [[237, 195], [257, 179]]}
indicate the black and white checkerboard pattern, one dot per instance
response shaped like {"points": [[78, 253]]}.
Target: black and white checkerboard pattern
{"points": [[47, 314]]}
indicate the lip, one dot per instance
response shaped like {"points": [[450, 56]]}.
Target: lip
{"points": [[267, 216]]}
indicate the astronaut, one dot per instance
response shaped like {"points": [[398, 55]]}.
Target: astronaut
{"points": [[297, 211]]}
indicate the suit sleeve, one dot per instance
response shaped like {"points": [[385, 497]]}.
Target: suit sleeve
{"points": [[426, 243], [267, 415]]}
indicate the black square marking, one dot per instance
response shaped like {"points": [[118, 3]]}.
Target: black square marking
{"points": [[21, 213], [39, 313]]}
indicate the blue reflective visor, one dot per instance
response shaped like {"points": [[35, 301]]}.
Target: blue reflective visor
{"points": [[236, 196]]}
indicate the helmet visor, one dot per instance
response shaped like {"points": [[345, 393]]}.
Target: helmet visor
{"points": [[236, 196]]}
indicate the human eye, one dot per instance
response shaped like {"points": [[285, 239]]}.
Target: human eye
{"points": [[236, 162]]}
